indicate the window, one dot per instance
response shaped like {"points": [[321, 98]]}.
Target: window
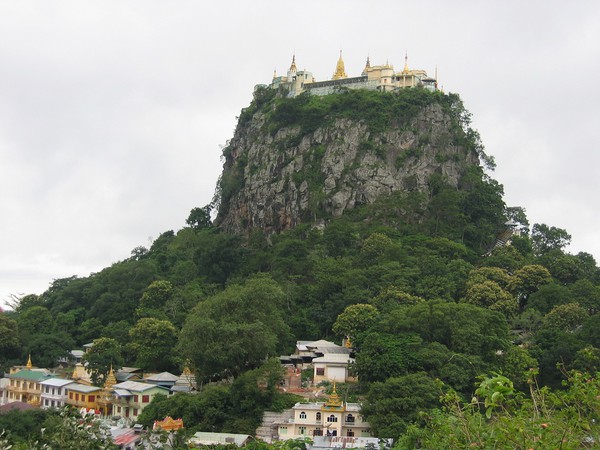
{"points": [[332, 418], [350, 433], [82, 398], [76, 397], [303, 415], [283, 430], [302, 430], [321, 371], [145, 398], [91, 398], [135, 411], [319, 416], [71, 395], [135, 398], [350, 418], [318, 432]]}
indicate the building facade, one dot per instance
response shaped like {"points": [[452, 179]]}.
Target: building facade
{"points": [[331, 418], [25, 386], [83, 396], [54, 392], [383, 78], [131, 397]]}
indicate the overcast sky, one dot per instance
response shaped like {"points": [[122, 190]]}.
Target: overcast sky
{"points": [[113, 113]]}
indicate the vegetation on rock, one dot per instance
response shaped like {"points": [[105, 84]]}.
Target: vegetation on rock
{"points": [[412, 277]]}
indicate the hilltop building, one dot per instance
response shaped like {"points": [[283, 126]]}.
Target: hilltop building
{"points": [[328, 361], [382, 78]]}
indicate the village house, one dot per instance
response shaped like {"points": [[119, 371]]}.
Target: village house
{"points": [[328, 361], [54, 392], [83, 396], [131, 397]]}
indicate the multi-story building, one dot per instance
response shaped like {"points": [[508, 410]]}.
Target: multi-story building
{"points": [[83, 396], [331, 418], [131, 397], [54, 392], [25, 384]]}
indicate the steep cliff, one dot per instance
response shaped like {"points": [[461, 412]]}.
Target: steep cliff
{"points": [[308, 159]]}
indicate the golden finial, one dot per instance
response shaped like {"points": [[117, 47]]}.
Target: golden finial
{"points": [[293, 67], [405, 63], [340, 70], [29, 365], [274, 73]]}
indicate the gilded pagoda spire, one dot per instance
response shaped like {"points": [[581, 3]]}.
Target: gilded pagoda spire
{"points": [[367, 66], [333, 401], [29, 365], [111, 380], [340, 70], [293, 67], [405, 70]]}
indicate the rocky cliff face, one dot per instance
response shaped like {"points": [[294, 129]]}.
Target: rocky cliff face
{"points": [[277, 177]]}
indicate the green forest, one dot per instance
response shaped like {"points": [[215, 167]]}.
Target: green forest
{"points": [[459, 343]]}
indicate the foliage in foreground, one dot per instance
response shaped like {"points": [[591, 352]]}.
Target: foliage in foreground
{"points": [[499, 417]]}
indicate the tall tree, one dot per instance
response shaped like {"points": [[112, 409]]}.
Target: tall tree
{"points": [[546, 238], [236, 329], [104, 354], [154, 342]]}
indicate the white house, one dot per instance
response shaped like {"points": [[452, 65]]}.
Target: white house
{"points": [[332, 367], [54, 394]]}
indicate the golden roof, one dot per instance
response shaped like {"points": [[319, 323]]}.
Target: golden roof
{"points": [[29, 365], [340, 70], [168, 424], [334, 401], [405, 70]]}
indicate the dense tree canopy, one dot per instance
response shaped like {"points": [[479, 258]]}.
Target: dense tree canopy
{"points": [[416, 280]]}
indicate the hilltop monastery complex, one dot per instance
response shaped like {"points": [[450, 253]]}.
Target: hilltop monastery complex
{"points": [[382, 78]]}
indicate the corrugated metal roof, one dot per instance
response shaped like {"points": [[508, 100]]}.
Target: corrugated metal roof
{"points": [[163, 376], [82, 388], [57, 382], [137, 386], [123, 393], [30, 375], [206, 438]]}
